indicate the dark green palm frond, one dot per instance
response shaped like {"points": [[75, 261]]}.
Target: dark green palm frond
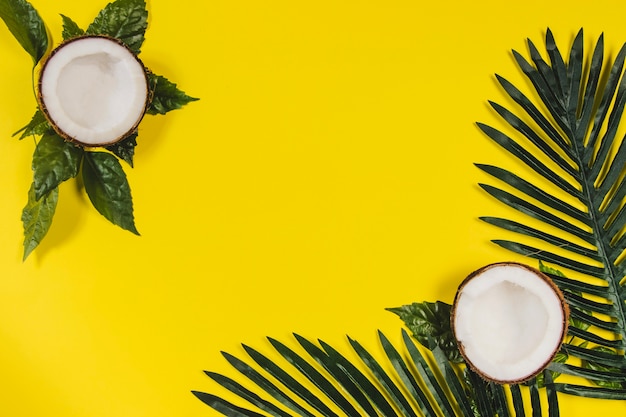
{"points": [[320, 381], [568, 134]]}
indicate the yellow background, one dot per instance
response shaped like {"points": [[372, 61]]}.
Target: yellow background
{"points": [[326, 174]]}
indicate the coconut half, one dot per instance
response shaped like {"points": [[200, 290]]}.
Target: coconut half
{"points": [[93, 90], [509, 320]]}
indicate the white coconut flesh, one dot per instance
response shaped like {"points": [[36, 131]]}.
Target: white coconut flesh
{"points": [[93, 90], [510, 321]]}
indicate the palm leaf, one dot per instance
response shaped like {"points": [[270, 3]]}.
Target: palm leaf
{"points": [[566, 132], [315, 379]]}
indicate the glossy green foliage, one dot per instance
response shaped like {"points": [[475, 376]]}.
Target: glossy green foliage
{"points": [[37, 126], [565, 131], [314, 379], [125, 20], [26, 26], [37, 218], [70, 28], [125, 149], [107, 188], [430, 322], [56, 160], [166, 96]]}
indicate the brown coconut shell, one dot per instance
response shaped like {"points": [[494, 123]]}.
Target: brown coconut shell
{"points": [[539, 274], [65, 135]]}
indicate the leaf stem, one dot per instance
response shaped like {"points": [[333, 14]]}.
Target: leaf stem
{"points": [[32, 82]]}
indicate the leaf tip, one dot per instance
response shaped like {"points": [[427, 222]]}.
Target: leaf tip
{"points": [[395, 310], [27, 252], [134, 230]]}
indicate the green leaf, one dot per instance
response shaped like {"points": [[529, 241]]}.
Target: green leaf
{"points": [[430, 321], [287, 380], [480, 394], [165, 95], [125, 149], [37, 218], [107, 188], [424, 370], [351, 371], [334, 368], [125, 20], [385, 380], [404, 374], [54, 161], [70, 28], [314, 376], [241, 391], [549, 270], [266, 385], [37, 126], [579, 324], [592, 392], [223, 406], [517, 400], [560, 357], [596, 366], [26, 26]]}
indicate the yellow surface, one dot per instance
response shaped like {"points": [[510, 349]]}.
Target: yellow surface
{"points": [[325, 174]]}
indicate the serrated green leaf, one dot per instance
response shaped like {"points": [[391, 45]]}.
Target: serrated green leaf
{"points": [[165, 95], [54, 161], [549, 270], [108, 189], [37, 126], [70, 28], [430, 322], [125, 149], [26, 26], [37, 218], [125, 20]]}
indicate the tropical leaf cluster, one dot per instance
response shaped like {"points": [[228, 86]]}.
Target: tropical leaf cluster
{"points": [[56, 160], [567, 212]]}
